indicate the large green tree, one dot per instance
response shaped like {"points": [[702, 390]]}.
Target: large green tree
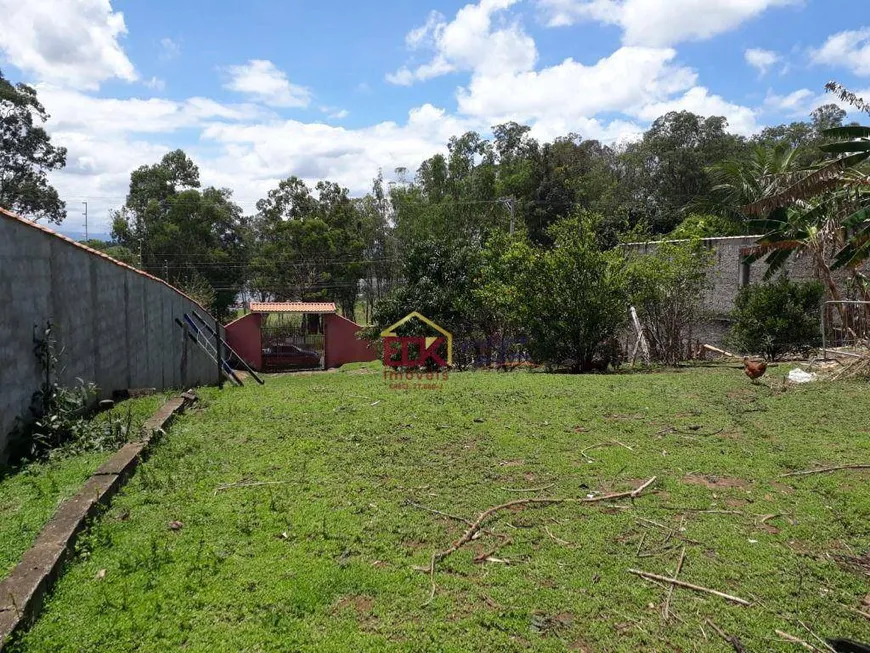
{"points": [[184, 234], [665, 173], [27, 155], [311, 246]]}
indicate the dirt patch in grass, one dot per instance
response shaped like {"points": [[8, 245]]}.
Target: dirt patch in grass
{"points": [[362, 605], [856, 564]]}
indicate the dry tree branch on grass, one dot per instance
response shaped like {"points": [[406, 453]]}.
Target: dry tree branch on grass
{"points": [[666, 610], [735, 642], [826, 470], [609, 443], [531, 489], [477, 525], [689, 586], [795, 640]]}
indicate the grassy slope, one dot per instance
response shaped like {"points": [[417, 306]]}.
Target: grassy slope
{"points": [[324, 561], [29, 495]]}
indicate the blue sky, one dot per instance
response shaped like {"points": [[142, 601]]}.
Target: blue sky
{"points": [[339, 89]]}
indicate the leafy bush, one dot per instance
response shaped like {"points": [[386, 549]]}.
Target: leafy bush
{"points": [[777, 317], [667, 289], [574, 297]]}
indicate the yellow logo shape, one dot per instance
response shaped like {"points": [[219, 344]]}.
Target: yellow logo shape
{"points": [[390, 332]]}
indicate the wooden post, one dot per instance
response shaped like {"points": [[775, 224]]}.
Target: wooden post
{"points": [[641, 338], [219, 350]]}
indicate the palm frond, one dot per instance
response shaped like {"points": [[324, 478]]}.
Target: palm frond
{"points": [[829, 176]]}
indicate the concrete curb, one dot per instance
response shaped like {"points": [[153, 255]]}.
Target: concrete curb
{"points": [[23, 592]]}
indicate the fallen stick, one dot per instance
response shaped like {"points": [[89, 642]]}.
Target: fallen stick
{"points": [[816, 637], [667, 607], [795, 640], [477, 524], [866, 615], [825, 470], [531, 489], [716, 350], [689, 586], [609, 443], [556, 539], [735, 642]]}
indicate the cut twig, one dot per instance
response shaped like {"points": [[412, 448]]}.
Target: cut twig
{"points": [[866, 615], [735, 642], [667, 607], [817, 638], [640, 544], [477, 525], [689, 586], [531, 489], [826, 470], [716, 350], [556, 539], [609, 443], [652, 522], [795, 640]]}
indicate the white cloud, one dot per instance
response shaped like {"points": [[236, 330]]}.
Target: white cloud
{"points": [[71, 43], [75, 111], [108, 138], [470, 42], [572, 90], [761, 59], [660, 23], [801, 103], [264, 82], [169, 49], [741, 120], [849, 49], [268, 152]]}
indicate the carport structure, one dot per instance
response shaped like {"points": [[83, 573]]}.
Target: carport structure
{"points": [[282, 336]]}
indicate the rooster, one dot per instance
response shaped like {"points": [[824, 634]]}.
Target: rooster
{"points": [[754, 369]]}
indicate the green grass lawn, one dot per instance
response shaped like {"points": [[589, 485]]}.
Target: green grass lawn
{"points": [[323, 557], [30, 494]]}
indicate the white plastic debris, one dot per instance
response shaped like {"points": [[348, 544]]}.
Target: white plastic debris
{"points": [[798, 375]]}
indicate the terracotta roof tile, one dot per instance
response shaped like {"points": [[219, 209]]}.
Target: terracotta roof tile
{"points": [[292, 307]]}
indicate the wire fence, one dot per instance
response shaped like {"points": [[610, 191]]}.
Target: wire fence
{"points": [[845, 325]]}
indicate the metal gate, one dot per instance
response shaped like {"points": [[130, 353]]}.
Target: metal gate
{"points": [[291, 345]]}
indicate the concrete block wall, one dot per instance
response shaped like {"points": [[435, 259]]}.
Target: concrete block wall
{"points": [[725, 279], [115, 326]]}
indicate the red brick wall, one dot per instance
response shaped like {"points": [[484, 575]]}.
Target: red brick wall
{"points": [[244, 336], [342, 345]]}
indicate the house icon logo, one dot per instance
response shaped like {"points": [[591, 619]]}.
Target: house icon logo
{"points": [[416, 351]]}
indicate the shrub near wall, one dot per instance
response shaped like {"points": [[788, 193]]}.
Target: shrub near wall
{"points": [[776, 318], [667, 289]]}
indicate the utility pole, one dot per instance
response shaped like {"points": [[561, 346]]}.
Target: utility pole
{"points": [[86, 219]]}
